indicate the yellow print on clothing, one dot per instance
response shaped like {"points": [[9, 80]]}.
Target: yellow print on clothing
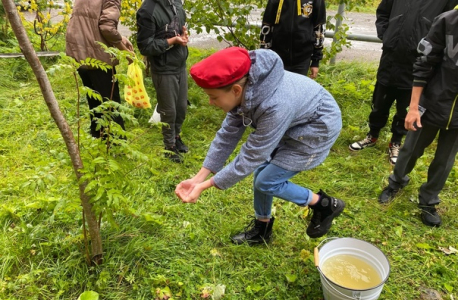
{"points": [[307, 9]]}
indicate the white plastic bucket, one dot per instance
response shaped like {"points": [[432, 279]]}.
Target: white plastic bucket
{"points": [[361, 249]]}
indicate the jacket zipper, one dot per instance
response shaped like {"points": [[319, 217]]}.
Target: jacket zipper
{"points": [[451, 112]]}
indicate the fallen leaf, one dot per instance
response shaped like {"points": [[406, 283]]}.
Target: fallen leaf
{"points": [[449, 250]]}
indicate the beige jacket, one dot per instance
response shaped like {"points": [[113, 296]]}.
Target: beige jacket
{"points": [[93, 21]]}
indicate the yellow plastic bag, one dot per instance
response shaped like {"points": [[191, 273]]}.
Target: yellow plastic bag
{"points": [[136, 95]]}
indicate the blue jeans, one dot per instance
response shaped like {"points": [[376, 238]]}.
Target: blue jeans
{"points": [[271, 180]]}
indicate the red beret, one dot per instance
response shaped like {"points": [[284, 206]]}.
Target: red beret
{"points": [[221, 68]]}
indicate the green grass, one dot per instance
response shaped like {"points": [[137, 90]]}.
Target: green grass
{"points": [[162, 244]]}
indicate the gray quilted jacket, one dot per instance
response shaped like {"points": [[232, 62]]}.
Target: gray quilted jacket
{"points": [[290, 113]]}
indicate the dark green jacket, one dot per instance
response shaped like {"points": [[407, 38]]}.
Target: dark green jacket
{"points": [[152, 18]]}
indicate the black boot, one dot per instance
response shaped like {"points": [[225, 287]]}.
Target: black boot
{"points": [[255, 233], [429, 216], [173, 154], [324, 211], [387, 195], [180, 145]]}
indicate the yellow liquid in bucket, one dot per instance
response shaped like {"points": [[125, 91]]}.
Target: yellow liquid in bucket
{"points": [[350, 272]]}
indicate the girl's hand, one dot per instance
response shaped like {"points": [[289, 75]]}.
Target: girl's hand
{"points": [[194, 195], [184, 188]]}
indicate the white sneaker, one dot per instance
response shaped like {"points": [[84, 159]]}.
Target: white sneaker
{"points": [[368, 141], [393, 151]]}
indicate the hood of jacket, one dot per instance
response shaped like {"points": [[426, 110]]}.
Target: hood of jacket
{"points": [[265, 75]]}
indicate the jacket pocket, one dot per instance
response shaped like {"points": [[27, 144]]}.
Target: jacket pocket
{"points": [[391, 35], [421, 30]]}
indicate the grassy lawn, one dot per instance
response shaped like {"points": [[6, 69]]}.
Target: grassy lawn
{"points": [[157, 245]]}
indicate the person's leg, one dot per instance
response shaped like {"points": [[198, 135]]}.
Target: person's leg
{"points": [[272, 181], [382, 100], [440, 167], [261, 229], [397, 126], [181, 109], [92, 102], [402, 103], [438, 171], [101, 82], [413, 148], [167, 92]]}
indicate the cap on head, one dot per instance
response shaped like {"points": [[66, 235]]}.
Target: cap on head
{"points": [[221, 68]]}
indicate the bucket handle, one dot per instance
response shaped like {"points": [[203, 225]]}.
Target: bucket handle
{"points": [[316, 254]]}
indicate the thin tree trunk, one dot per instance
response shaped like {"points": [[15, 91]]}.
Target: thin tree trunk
{"points": [[59, 119]]}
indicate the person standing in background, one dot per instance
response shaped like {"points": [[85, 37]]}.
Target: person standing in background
{"points": [[162, 37], [294, 29], [94, 22], [432, 112], [401, 24]]}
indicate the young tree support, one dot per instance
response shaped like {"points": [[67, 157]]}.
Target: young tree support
{"points": [[296, 122]]}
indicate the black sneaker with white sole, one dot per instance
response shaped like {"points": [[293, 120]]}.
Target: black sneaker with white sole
{"points": [[368, 141], [324, 212]]}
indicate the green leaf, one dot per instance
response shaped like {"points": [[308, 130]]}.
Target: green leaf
{"points": [[90, 186], [291, 278], [398, 231], [448, 287], [89, 295], [423, 246]]}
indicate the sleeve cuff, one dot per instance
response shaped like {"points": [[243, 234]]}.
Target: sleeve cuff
{"points": [[212, 181], [419, 82], [315, 63]]}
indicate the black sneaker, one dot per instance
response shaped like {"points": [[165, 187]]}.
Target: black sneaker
{"points": [[368, 141], [324, 212], [429, 216], [255, 233], [180, 145], [173, 154], [387, 195]]}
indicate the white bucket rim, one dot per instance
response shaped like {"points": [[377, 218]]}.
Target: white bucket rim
{"points": [[352, 289]]}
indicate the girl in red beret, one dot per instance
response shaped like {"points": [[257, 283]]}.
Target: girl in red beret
{"points": [[296, 122]]}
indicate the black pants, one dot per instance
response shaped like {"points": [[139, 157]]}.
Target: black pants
{"points": [[382, 100], [302, 68], [439, 169], [101, 82]]}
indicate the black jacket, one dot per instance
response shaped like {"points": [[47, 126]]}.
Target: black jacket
{"points": [[298, 36], [401, 24], [437, 71], [153, 17]]}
